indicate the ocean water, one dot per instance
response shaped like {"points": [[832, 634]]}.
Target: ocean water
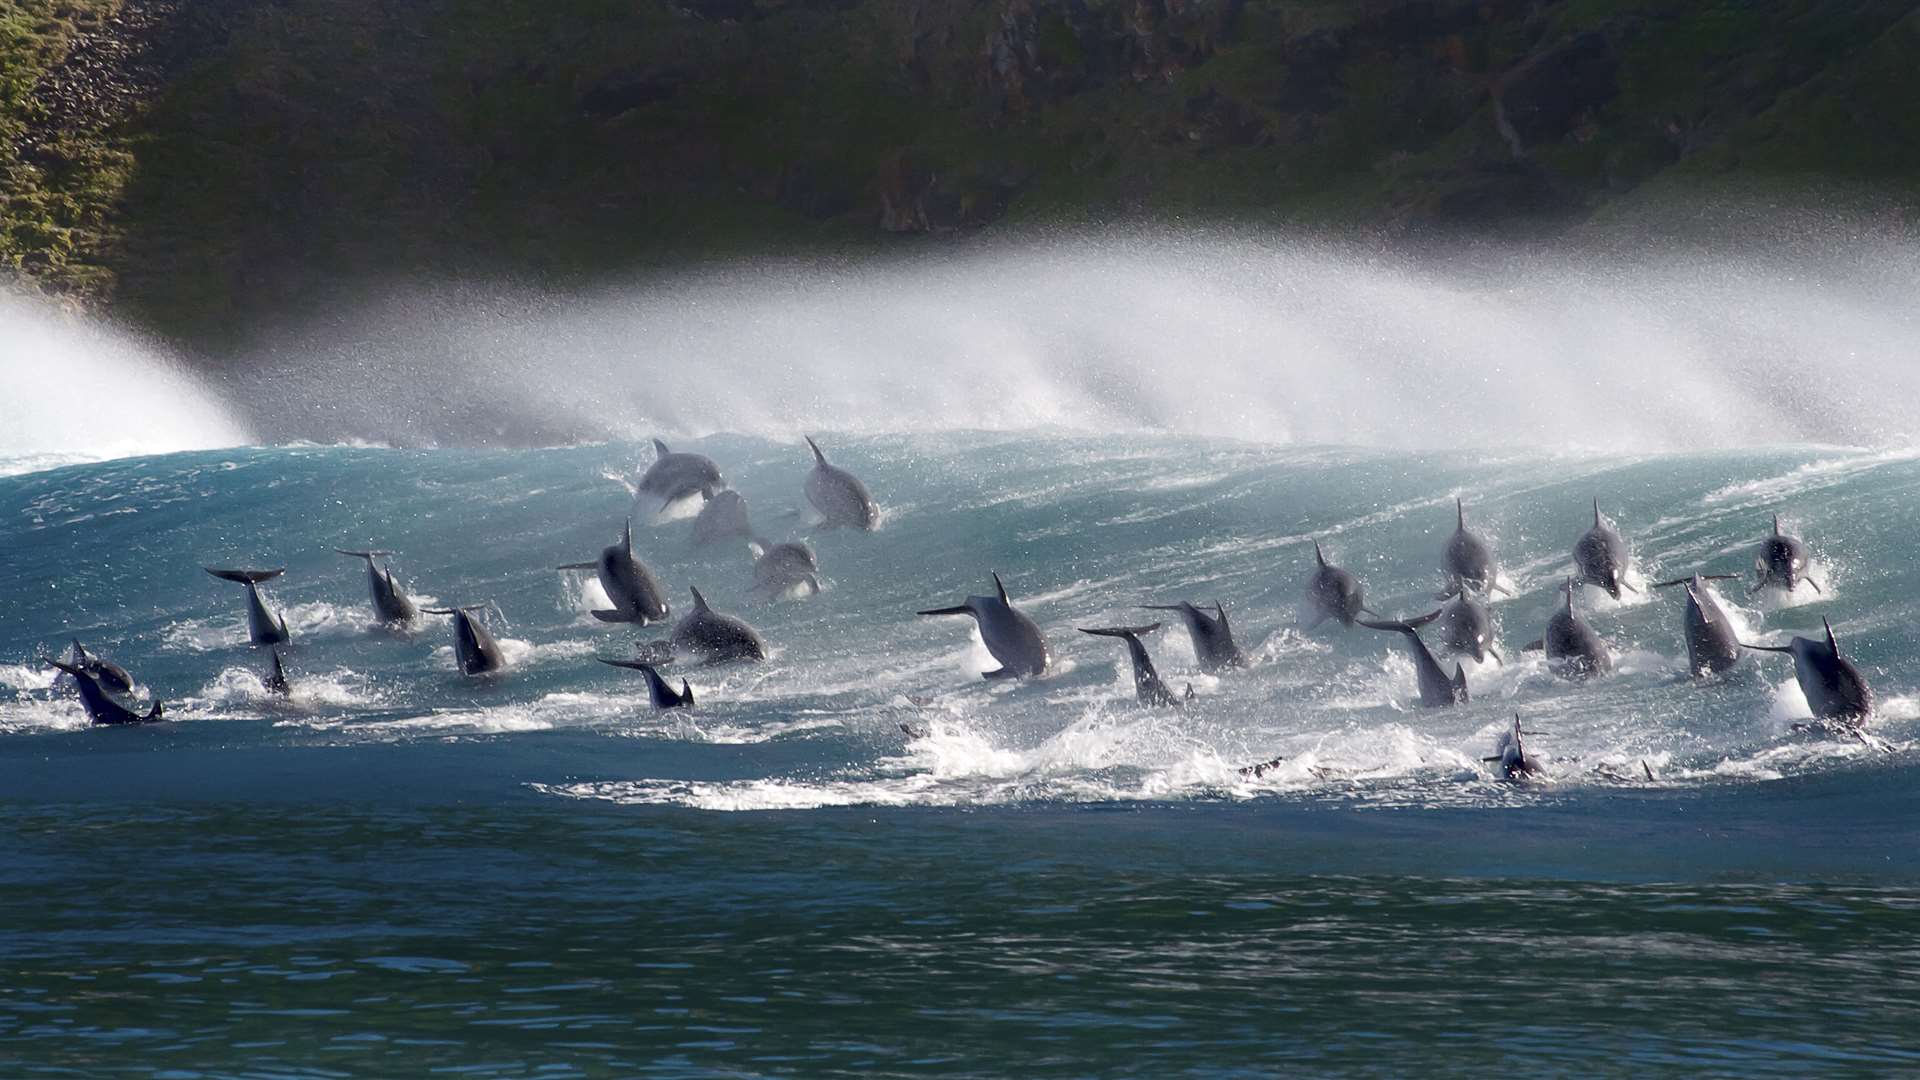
{"points": [[860, 857]]}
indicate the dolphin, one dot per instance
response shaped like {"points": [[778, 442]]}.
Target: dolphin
{"points": [[714, 637], [104, 671], [636, 594], [664, 696], [263, 627], [276, 680], [1574, 651], [1782, 561], [779, 567], [673, 477], [1010, 636], [1711, 645], [1333, 593], [1469, 560], [1212, 638], [1437, 689], [100, 706], [1515, 763], [1600, 556], [1835, 689], [1146, 681], [1466, 628], [391, 604], [473, 646], [839, 495], [722, 518]]}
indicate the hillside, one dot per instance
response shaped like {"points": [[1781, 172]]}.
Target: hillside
{"points": [[206, 165]]}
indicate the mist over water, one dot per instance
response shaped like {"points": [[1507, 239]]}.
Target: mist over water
{"points": [[77, 391], [1256, 338]]}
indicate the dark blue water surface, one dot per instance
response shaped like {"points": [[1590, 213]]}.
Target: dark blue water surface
{"points": [[404, 872]]}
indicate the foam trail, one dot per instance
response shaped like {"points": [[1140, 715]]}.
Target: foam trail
{"points": [[78, 392]]}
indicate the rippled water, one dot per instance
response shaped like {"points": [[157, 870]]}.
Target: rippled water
{"points": [[404, 870]]}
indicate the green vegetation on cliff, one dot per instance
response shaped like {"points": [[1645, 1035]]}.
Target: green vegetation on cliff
{"points": [[297, 148]]}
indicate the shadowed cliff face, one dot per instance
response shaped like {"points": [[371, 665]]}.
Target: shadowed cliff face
{"points": [[297, 149]]}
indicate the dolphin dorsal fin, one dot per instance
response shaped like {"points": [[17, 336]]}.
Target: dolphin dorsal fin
{"points": [[817, 455], [660, 448], [1220, 610], [1776, 524], [1518, 747], [686, 692], [1568, 589], [1831, 643], [699, 602], [1460, 512], [1318, 554], [1596, 511], [626, 538], [278, 671], [1001, 589]]}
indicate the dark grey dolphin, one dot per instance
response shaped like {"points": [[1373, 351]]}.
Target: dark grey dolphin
{"points": [[263, 627], [663, 696], [1711, 645], [1782, 561], [723, 517], [1466, 628], [276, 680], [473, 647], [673, 477], [1469, 559], [1010, 636], [107, 673], [636, 594], [1600, 556], [839, 495], [714, 637], [1333, 593], [1515, 763], [1212, 637], [1836, 691], [779, 567], [1437, 689], [391, 604], [1574, 651], [100, 706], [1147, 686]]}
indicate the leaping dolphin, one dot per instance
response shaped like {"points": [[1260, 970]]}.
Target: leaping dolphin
{"points": [[715, 637], [1782, 561], [1469, 559], [662, 695], [1147, 686], [839, 495], [473, 647], [107, 673], [391, 604], [673, 477], [1515, 763], [780, 567], [636, 594], [276, 680], [263, 627], [1711, 645], [1212, 637], [1333, 593], [100, 706], [1010, 636], [1600, 556], [722, 518], [1836, 691], [1466, 628], [1574, 651], [1437, 689]]}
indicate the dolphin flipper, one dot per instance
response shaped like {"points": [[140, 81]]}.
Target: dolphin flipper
{"points": [[613, 615], [246, 577]]}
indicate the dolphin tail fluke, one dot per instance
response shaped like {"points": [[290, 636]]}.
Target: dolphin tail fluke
{"points": [[246, 577], [1119, 631], [818, 457]]}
